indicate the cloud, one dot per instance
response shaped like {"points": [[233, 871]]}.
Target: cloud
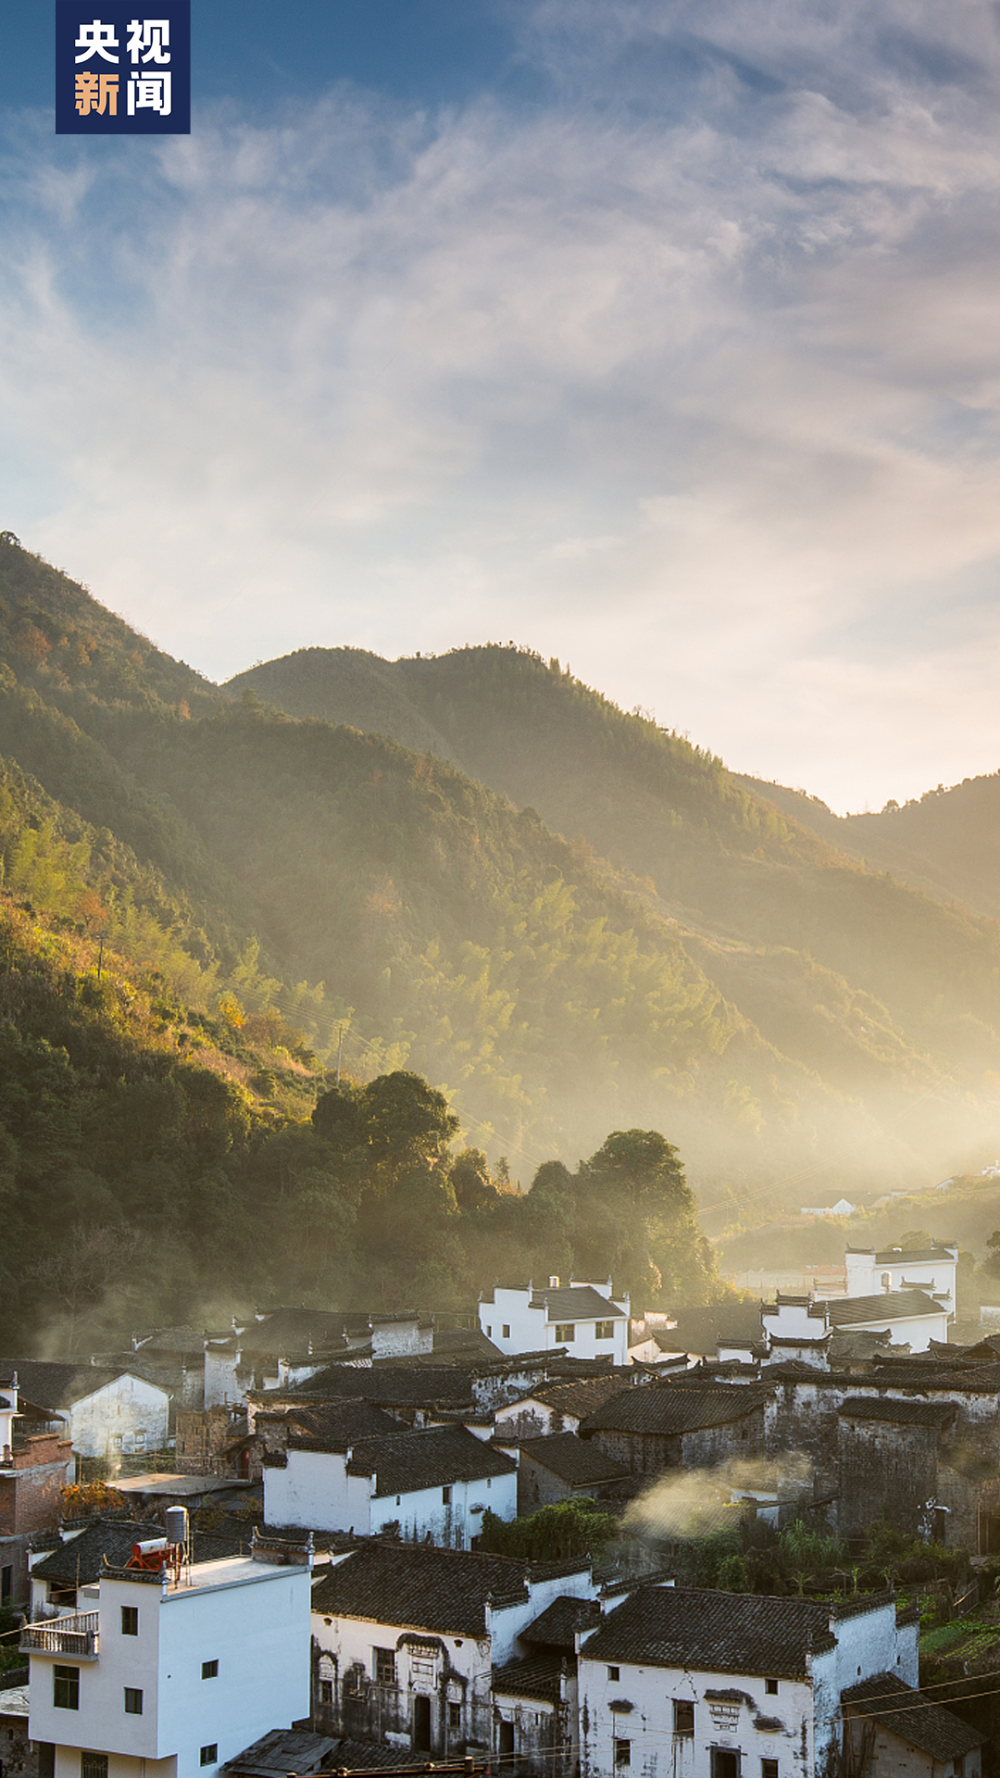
{"points": [[688, 374]]}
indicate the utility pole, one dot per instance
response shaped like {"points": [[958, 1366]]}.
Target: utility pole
{"points": [[340, 1051]]}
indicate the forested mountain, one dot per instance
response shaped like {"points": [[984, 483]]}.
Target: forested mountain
{"points": [[568, 920], [888, 998], [946, 842]]}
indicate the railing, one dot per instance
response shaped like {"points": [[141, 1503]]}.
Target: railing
{"points": [[72, 1635]]}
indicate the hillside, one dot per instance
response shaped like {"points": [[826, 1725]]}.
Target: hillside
{"points": [[946, 842], [880, 992], [685, 959]]}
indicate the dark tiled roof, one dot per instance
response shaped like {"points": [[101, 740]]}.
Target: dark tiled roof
{"points": [[557, 1625], [81, 1560], [534, 1676], [670, 1409], [886, 1307], [51, 1385], [575, 1461], [420, 1588], [720, 1632], [579, 1396], [172, 1339], [299, 1751], [427, 1459], [283, 1331], [463, 1342], [912, 1717], [899, 1413], [392, 1385], [577, 1302], [334, 1425], [698, 1330]]}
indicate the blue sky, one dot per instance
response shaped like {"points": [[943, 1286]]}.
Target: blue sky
{"points": [[661, 337]]}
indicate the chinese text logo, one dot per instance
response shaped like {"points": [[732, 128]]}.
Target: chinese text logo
{"points": [[122, 74]]}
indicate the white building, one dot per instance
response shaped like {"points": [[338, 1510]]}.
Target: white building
{"points": [[406, 1641], [170, 1678], [930, 1269], [104, 1413], [585, 1318], [431, 1485], [800, 1327], [678, 1683]]}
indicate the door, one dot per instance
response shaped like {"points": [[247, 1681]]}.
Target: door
{"points": [[725, 1763], [505, 1743], [421, 1723]]}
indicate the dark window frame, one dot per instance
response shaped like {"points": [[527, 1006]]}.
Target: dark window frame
{"points": [[133, 1701], [210, 1669], [683, 1716], [130, 1620], [65, 1688]]}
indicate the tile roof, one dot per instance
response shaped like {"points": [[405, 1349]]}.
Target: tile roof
{"points": [[80, 1560], [576, 1302], [430, 1458], [461, 1342], [299, 1751], [899, 1413], [533, 1676], [334, 1425], [53, 1385], [575, 1461], [670, 1409], [578, 1396], [720, 1632], [392, 1385], [698, 1330], [282, 1331], [420, 1588], [557, 1625], [913, 1717], [887, 1306]]}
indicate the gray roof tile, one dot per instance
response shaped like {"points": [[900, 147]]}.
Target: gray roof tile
{"points": [[912, 1716], [720, 1632]]}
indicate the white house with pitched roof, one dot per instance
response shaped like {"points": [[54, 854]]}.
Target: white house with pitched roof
{"points": [[679, 1683], [587, 1319]]}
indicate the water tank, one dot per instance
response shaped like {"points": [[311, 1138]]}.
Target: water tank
{"points": [[149, 1547], [176, 1521]]}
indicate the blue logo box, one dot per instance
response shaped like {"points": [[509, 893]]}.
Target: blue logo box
{"points": [[122, 70]]}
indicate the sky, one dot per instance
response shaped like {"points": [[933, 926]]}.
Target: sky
{"points": [[657, 336]]}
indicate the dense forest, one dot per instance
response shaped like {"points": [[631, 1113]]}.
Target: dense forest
{"points": [[157, 1163]]}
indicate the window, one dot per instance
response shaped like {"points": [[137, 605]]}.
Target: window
{"points": [[683, 1716], [385, 1666], [505, 1331], [604, 1330], [564, 1333], [446, 1495], [210, 1755], [66, 1688], [489, 1333], [454, 1716], [130, 1620], [326, 1691], [6, 1582], [93, 1765], [768, 1768], [209, 1669], [133, 1701], [771, 1687], [614, 1672], [623, 1755]]}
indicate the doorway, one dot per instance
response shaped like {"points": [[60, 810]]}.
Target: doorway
{"points": [[421, 1723], [725, 1763], [505, 1743]]}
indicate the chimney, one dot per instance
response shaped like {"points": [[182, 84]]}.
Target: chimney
{"points": [[553, 1283]]}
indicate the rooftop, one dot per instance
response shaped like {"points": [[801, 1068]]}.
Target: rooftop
{"points": [[912, 1716], [724, 1632], [670, 1409], [54, 1385], [80, 1560], [575, 1461], [299, 1751], [427, 1459], [885, 1307], [391, 1385], [419, 1587], [899, 1413], [557, 1625], [533, 1676]]}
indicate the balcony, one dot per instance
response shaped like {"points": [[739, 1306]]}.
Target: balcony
{"points": [[75, 1635]]}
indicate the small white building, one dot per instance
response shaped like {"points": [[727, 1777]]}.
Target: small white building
{"points": [[930, 1269], [107, 1413], [170, 1676], [800, 1327], [433, 1485], [678, 1683], [588, 1319]]}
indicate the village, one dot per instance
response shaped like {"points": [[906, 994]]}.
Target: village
{"points": [[280, 1547]]}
